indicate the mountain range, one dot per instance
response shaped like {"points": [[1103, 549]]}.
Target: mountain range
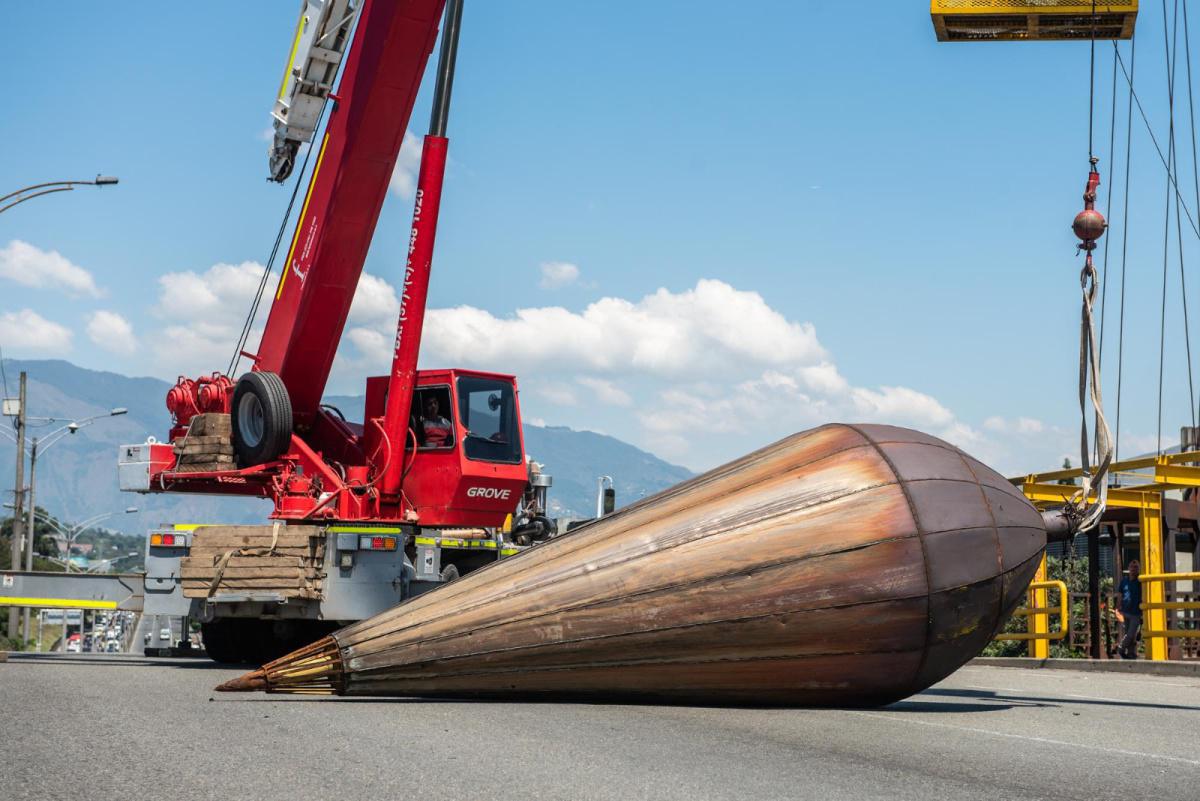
{"points": [[77, 472]]}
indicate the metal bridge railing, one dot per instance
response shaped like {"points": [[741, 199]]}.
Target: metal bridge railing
{"points": [[1170, 607], [1039, 615]]}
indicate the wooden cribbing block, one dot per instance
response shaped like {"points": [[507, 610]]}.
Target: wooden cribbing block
{"points": [[206, 425]]}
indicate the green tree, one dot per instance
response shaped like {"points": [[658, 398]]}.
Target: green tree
{"points": [[43, 541], [1073, 573]]}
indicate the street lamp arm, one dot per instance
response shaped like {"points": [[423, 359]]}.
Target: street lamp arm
{"points": [[53, 523], [21, 200], [73, 426], [99, 180], [82, 527]]}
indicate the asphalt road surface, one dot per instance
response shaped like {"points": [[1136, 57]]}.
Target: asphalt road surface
{"points": [[117, 727], [153, 625]]}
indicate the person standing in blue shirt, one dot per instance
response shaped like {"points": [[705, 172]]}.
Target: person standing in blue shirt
{"points": [[1131, 609]]}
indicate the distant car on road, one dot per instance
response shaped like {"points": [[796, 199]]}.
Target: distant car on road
{"points": [[164, 634]]}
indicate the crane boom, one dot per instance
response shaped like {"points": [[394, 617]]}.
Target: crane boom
{"points": [[354, 161]]}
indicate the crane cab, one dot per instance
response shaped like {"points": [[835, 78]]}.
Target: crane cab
{"points": [[1000, 20], [465, 455]]}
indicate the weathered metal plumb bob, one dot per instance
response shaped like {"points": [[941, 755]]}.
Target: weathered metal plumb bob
{"points": [[847, 565]]}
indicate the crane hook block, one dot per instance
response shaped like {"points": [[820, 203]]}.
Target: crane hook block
{"points": [[1090, 224], [321, 38]]}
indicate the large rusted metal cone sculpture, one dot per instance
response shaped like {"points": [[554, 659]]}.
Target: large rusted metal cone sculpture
{"points": [[850, 564]]}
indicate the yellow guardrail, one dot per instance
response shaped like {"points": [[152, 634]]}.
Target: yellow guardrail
{"points": [[1064, 626], [1162, 578]]}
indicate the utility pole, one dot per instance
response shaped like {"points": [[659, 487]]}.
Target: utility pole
{"points": [[18, 494]]}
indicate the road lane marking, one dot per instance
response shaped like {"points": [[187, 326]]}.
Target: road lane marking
{"points": [[1026, 737]]}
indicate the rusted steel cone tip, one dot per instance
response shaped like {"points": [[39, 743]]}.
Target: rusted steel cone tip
{"points": [[315, 669], [254, 680]]}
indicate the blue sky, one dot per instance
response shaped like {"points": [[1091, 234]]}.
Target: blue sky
{"points": [[774, 216]]}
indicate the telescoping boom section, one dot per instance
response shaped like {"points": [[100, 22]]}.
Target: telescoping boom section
{"points": [[438, 448]]}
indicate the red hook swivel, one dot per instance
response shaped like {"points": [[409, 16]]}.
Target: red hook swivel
{"points": [[1090, 224]]}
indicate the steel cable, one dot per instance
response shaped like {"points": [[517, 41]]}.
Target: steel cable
{"points": [[1083, 514], [1187, 49], [1171, 49], [248, 325], [1124, 230], [1112, 159], [1154, 139]]}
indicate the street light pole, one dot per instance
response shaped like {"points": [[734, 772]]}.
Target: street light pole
{"points": [[48, 440], [18, 495], [75, 532], [85, 525], [31, 527], [37, 190]]}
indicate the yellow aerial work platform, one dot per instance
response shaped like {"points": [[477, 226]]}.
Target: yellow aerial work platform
{"points": [[999, 20]]}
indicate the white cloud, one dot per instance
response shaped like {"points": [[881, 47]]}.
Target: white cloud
{"points": [[112, 332], [27, 331], [31, 266], [408, 165], [606, 391], [221, 294], [558, 394], [900, 405], [697, 331], [373, 346], [205, 313], [700, 376], [557, 274], [1137, 444], [1019, 425], [375, 301]]}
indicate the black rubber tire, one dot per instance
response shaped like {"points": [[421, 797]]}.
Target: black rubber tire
{"points": [[449, 573], [219, 643], [256, 644], [262, 418]]}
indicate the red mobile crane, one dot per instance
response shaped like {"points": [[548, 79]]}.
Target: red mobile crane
{"points": [[308, 460], [439, 452]]}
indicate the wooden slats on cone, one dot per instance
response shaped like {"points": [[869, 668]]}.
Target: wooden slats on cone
{"points": [[845, 565], [313, 670]]}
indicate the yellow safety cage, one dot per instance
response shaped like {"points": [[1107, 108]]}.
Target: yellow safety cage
{"points": [[1007, 20]]}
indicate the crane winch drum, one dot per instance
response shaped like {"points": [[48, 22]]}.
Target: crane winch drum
{"points": [[1006, 20]]}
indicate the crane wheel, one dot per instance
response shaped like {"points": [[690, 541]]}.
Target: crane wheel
{"points": [[262, 418]]}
